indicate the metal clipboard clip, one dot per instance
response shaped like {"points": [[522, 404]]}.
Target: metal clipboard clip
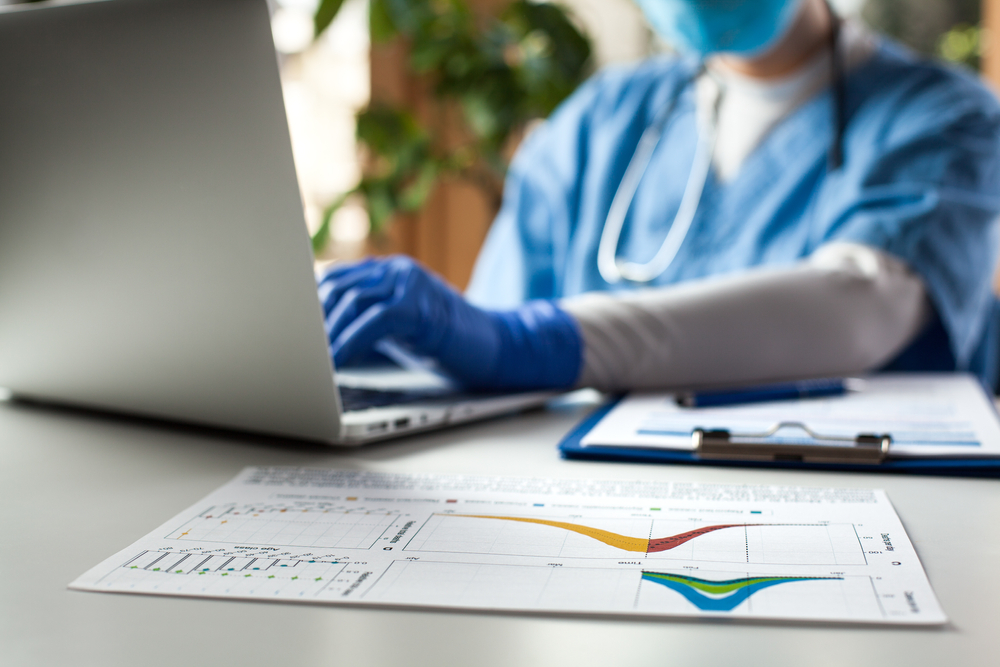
{"points": [[865, 448]]}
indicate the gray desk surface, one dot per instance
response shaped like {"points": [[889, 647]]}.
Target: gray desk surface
{"points": [[75, 488]]}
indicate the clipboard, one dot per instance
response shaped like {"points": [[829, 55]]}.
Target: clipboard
{"points": [[721, 452]]}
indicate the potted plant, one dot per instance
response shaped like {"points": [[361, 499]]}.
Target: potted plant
{"points": [[498, 72]]}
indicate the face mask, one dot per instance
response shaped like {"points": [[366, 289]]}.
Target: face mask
{"points": [[702, 27]]}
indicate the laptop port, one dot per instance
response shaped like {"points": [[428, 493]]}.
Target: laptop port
{"points": [[402, 423], [378, 427]]}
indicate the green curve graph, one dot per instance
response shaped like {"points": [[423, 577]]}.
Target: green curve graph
{"points": [[720, 595]]}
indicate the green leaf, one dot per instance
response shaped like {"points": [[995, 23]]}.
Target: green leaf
{"points": [[387, 130], [480, 114], [381, 204], [963, 44], [325, 13], [501, 72], [414, 195], [322, 236], [380, 24]]}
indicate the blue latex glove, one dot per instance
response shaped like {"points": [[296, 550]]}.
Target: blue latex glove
{"points": [[533, 347]]}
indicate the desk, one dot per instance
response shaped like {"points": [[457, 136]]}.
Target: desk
{"points": [[60, 468]]}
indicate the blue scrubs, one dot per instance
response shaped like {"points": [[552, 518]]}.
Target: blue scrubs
{"points": [[920, 180]]}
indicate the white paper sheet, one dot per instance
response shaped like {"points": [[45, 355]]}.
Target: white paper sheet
{"points": [[942, 415], [535, 545]]}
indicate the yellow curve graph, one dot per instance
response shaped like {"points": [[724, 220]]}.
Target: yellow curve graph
{"points": [[618, 541], [623, 542]]}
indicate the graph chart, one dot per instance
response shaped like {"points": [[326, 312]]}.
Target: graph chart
{"points": [[228, 574], [818, 543], [642, 591], [754, 594], [526, 545], [173, 562], [298, 524], [724, 594]]}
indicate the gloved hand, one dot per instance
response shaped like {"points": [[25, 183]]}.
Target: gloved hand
{"points": [[533, 347]]}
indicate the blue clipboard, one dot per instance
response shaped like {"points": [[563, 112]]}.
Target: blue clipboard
{"points": [[571, 448]]}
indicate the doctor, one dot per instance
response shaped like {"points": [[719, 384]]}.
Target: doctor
{"points": [[791, 197]]}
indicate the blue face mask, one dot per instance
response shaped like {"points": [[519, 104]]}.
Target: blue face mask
{"points": [[702, 27]]}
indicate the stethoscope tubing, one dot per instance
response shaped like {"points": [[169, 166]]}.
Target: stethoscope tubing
{"points": [[614, 270], [610, 267]]}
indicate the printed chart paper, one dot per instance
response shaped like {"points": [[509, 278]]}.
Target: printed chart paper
{"points": [[928, 415], [535, 545]]}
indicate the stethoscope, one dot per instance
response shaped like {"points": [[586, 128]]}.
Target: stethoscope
{"points": [[615, 270]]}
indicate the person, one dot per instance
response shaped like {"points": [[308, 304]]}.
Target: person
{"points": [[792, 196]]}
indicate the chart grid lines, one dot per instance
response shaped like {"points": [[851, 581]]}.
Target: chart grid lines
{"points": [[728, 551]]}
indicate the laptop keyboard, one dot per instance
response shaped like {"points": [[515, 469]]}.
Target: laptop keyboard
{"points": [[357, 398]]}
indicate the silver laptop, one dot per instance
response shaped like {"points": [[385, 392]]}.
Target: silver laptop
{"points": [[154, 258]]}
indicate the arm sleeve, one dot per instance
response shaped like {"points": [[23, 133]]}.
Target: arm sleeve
{"points": [[846, 309]]}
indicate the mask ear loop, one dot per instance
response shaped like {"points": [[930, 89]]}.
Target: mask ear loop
{"points": [[836, 154]]}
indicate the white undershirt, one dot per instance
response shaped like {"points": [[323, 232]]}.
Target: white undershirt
{"points": [[751, 107]]}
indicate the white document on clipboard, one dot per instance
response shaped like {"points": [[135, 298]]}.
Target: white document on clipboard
{"points": [[927, 415]]}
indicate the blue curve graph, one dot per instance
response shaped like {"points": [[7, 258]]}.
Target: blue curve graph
{"points": [[725, 595]]}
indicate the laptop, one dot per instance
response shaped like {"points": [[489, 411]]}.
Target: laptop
{"points": [[154, 258]]}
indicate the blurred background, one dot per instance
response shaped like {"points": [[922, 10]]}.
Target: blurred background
{"points": [[404, 113], [350, 67]]}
